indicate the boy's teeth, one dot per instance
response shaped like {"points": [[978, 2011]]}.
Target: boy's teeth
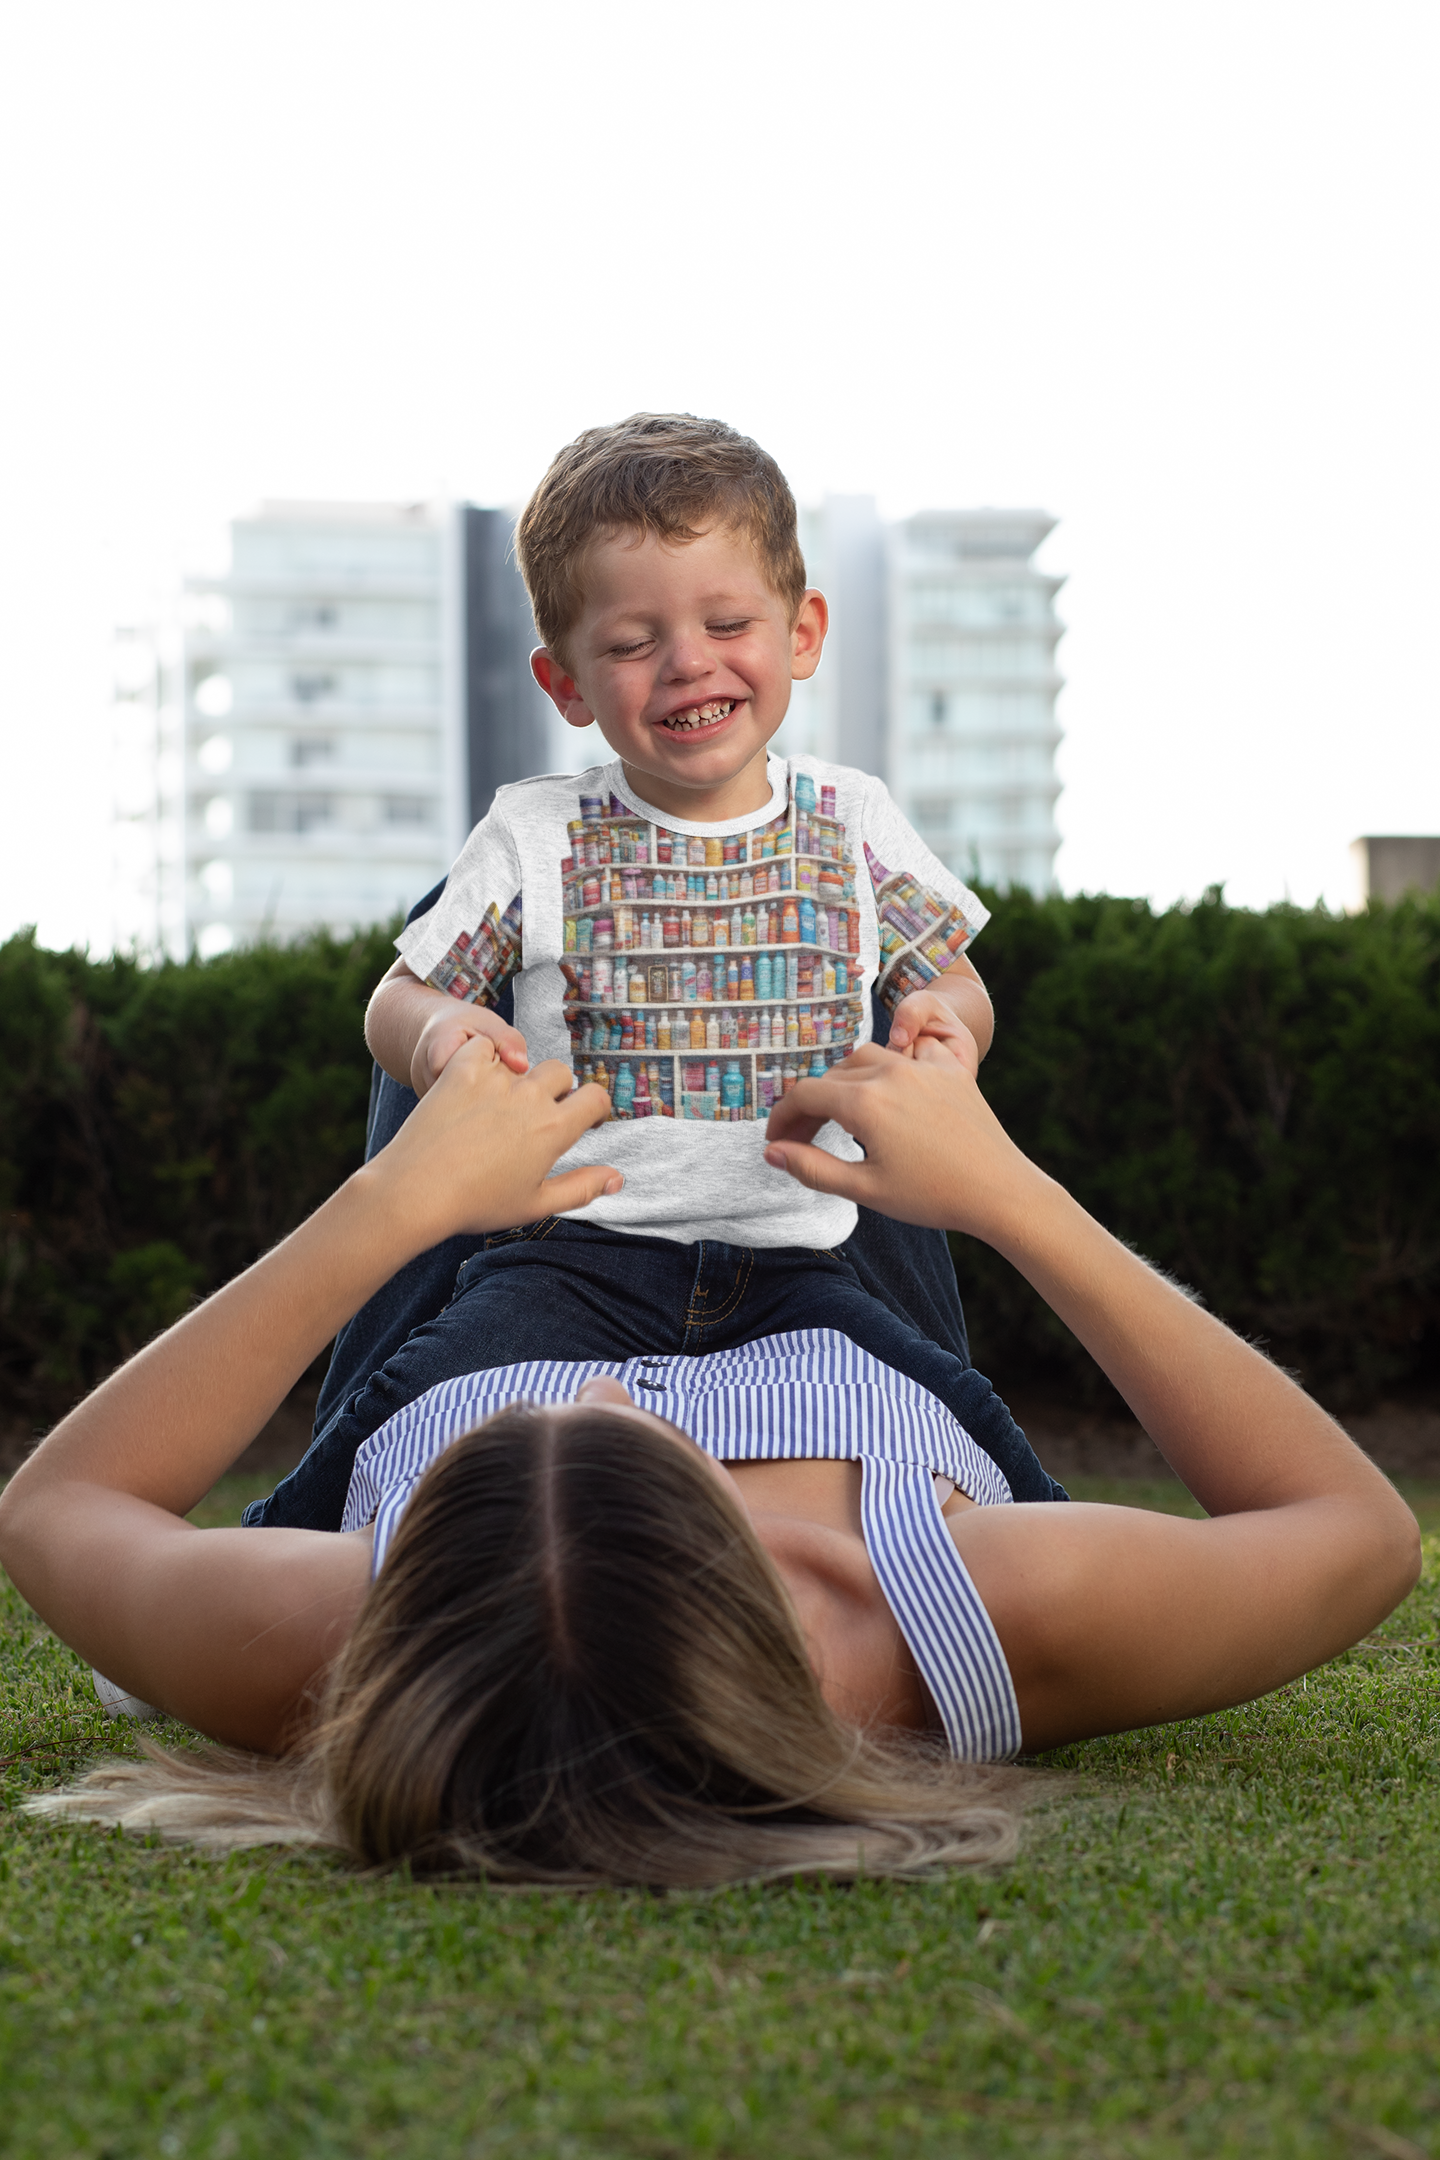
{"points": [[697, 715]]}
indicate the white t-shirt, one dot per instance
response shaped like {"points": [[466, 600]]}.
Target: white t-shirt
{"points": [[697, 971]]}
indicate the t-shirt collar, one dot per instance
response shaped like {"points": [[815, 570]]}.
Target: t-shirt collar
{"points": [[776, 771]]}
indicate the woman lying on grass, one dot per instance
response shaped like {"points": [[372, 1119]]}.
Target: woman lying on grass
{"points": [[597, 1651]]}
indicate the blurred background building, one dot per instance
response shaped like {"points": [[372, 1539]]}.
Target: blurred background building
{"points": [[328, 719], [941, 676], [1387, 866], [310, 741]]}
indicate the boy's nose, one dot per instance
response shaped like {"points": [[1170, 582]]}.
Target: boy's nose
{"points": [[687, 660]]}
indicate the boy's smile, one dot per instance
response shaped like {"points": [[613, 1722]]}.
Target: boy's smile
{"points": [[684, 657]]}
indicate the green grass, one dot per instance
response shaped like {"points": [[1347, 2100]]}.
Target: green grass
{"points": [[1224, 1939]]}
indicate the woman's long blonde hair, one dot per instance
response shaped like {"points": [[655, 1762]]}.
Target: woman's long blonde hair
{"points": [[577, 1665]]}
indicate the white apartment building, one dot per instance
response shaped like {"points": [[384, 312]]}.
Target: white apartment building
{"points": [[940, 675], [337, 709], [970, 753], [321, 682], [333, 715]]}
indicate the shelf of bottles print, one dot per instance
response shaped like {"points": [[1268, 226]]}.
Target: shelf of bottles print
{"points": [[720, 1089], [746, 945]]}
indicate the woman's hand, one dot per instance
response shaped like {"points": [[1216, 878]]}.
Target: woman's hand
{"points": [[476, 1153], [935, 1153], [473, 1156]]}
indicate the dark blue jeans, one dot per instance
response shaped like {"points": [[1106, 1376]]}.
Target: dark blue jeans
{"points": [[561, 1289]]}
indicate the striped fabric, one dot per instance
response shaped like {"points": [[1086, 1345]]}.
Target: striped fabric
{"points": [[801, 1396]]}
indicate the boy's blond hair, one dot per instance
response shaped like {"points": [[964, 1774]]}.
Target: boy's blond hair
{"points": [[663, 473]]}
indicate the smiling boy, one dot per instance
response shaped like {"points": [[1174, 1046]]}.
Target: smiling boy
{"points": [[696, 925], [668, 584]]}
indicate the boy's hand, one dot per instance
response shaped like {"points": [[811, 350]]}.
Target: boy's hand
{"points": [[926, 1014], [453, 1024]]}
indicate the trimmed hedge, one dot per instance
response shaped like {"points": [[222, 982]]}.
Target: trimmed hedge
{"points": [[1251, 1099], [160, 1127]]}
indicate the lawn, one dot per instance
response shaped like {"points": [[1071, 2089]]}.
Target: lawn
{"points": [[1223, 1939]]}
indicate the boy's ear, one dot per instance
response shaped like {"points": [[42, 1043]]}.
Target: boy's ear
{"points": [[561, 688], [807, 638]]}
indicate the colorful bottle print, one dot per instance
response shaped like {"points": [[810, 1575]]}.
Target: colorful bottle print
{"points": [[807, 922], [827, 802], [712, 1079], [697, 1030], [804, 793], [762, 975], [732, 1087], [790, 924], [747, 978]]}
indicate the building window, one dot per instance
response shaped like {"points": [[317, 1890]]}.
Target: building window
{"points": [[312, 749], [278, 811], [932, 815], [937, 708], [309, 689], [409, 810], [314, 615]]}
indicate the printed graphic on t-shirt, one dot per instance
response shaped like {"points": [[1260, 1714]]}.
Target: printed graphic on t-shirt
{"points": [[481, 961], [920, 934], [706, 976]]}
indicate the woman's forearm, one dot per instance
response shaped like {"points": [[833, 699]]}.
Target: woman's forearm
{"points": [[476, 1155], [1237, 1431], [173, 1419], [1185, 1375]]}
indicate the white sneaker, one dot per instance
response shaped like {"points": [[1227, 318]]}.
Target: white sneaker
{"points": [[116, 1703]]}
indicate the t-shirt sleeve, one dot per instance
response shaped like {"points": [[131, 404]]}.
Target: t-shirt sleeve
{"points": [[926, 916], [470, 942]]}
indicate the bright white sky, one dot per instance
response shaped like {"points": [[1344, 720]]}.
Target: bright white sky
{"points": [[1167, 269]]}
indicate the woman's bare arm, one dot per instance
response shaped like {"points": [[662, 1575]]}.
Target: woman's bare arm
{"points": [[1112, 1617], [225, 1628]]}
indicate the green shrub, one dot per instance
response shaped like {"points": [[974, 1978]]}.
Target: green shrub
{"points": [[160, 1127], [1251, 1099]]}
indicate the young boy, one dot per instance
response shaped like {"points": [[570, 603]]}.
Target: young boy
{"points": [[695, 925]]}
